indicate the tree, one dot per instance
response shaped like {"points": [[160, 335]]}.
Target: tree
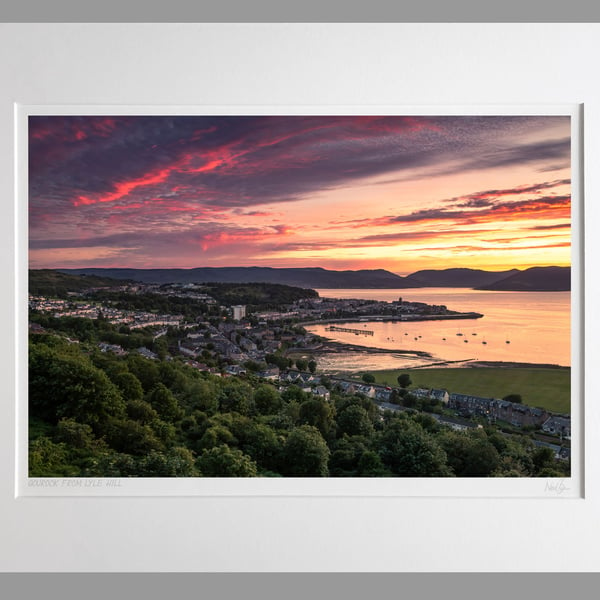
{"points": [[312, 366], [165, 403], [354, 420], [543, 458], [236, 396], [481, 459], [404, 380], [215, 436], [368, 378], [132, 437], [516, 398], [258, 441], [267, 399], [47, 459], [410, 452], [177, 462], [254, 366], [168, 372], [141, 411], [305, 453], [130, 386], [343, 402], [470, 454], [427, 422], [293, 394], [277, 360], [145, 370], [456, 445], [200, 395], [319, 413], [223, 461], [69, 386], [370, 465], [301, 364], [161, 347], [345, 455], [75, 435]]}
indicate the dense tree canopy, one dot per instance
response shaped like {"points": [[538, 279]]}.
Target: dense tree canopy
{"points": [[305, 453], [97, 414], [64, 385], [223, 461]]}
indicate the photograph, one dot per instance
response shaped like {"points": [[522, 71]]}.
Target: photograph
{"points": [[299, 295]]}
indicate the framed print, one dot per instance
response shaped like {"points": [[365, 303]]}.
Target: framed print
{"points": [[267, 339], [230, 148]]}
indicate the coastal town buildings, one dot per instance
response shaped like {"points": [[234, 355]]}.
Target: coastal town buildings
{"points": [[254, 336], [239, 312]]}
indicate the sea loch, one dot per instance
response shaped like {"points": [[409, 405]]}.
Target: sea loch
{"points": [[525, 327]]}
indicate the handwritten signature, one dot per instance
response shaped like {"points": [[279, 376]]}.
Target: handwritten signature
{"points": [[557, 487]]}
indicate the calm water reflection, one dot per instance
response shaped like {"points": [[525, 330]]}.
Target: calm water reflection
{"points": [[537, 325]]}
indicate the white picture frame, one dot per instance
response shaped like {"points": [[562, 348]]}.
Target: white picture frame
{"points": [[570, 487], [249, 540]]}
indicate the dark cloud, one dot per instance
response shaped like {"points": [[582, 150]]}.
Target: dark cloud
{"points": [[498, 247], [499, 210], [475, 203], [244, 161], [206, 234], [405, 236], [550, 227], [488, 197], [521, 154]]}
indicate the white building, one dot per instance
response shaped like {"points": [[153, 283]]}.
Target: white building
{"points": [[239, 312]]}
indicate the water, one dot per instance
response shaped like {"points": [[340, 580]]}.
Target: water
{"points": [[537, 325]]}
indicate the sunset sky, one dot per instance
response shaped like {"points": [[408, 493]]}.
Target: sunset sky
{"points": [[398, 193]]}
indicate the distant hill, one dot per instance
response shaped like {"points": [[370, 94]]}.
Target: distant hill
{"points": [[536, 279], [303, 277], [461, 278], [48, 282]]}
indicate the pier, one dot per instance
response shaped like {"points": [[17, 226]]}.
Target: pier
{"points": [[347, 330]]}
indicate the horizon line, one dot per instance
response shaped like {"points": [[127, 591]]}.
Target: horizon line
{"points": [[289, 268]]}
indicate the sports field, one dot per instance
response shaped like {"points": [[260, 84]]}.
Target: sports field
{"points": [[544, 388]]}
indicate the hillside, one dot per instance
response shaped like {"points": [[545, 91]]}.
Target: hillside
{"points": [[300, 277], [535, 279], [469, 278], [48, 282]]}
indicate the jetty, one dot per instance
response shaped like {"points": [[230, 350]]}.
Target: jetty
{"points": [[348, 330]]}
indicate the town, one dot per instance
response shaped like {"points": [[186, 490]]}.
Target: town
{"points": [[230, 340]]}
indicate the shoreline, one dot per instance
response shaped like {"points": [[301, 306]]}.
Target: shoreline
{"points": [[331, 347], [453, 316]]}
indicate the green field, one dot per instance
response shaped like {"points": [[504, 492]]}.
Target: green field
{"points": [[544, 388]]}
